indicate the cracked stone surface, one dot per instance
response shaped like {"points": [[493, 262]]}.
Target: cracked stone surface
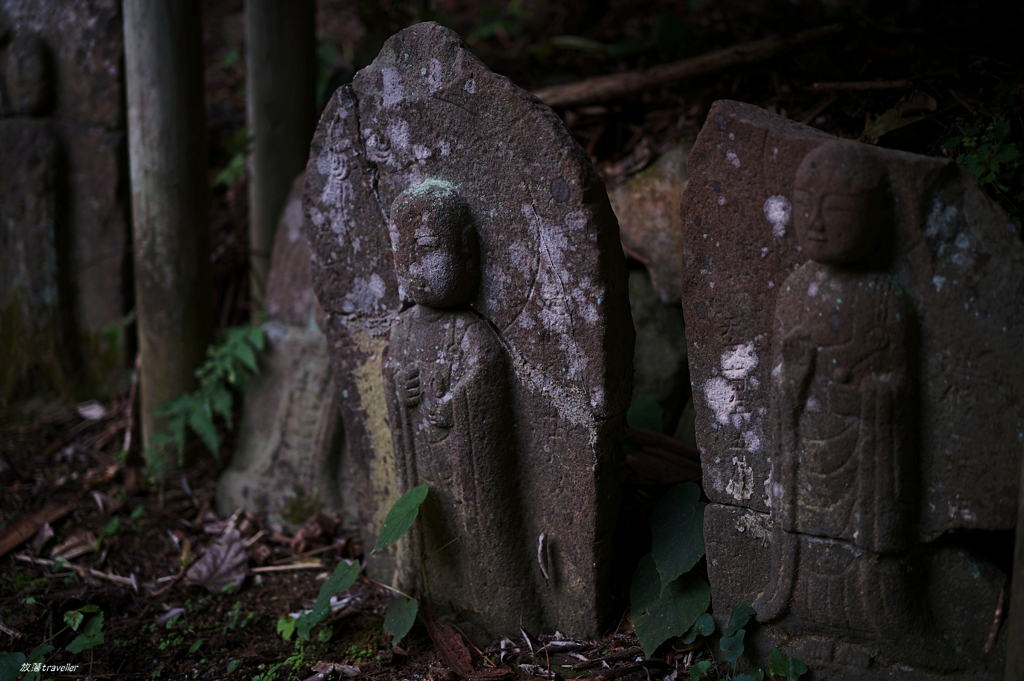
{"points": [[552, 287], [926, 386]]}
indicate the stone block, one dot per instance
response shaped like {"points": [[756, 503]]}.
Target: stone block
{"points": [[475, 291], [854, 329]]}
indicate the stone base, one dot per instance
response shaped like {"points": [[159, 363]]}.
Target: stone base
{"points": [[960, 593], [290, 459]]}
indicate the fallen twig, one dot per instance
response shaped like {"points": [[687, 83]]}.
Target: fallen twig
{"points": [[109, 576], [628, 652], [865, 85], [604, 88], [287, 568], [13, 633], [997, 623]]}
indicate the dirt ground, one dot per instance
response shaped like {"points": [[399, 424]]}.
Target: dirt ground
{"points": [[938, 78]]}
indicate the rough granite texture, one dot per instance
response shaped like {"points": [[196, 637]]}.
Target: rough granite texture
{"points": [[552, 289], [946, 407], [63, 212], [647, 207]]}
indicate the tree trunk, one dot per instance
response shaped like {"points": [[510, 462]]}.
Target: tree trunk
{"points": [[170, 192], [281, 108]]}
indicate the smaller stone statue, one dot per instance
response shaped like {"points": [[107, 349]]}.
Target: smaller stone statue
{"points": [[844, 479], [447, 381]]}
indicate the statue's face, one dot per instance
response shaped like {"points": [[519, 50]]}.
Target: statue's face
{"points": [[429, 252], [429, 261], [833, 224]]}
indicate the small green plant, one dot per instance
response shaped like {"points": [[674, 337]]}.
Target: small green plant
{"points": [[699, 670], [791, 669], [666, 598], [987, 150], [238, 146], [732, 643], [228, 367], [92, 633], [401, 613]]}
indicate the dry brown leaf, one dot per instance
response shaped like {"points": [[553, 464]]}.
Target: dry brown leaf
{"points": [[224, 564]]}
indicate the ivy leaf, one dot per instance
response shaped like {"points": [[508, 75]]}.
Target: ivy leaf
{"points": [[221, 400], [699, 670], [677, 529], [400, 617], [732, 645], [741, 614], [344, 576], [401, 517], [10, 666], [286, 627], [659, 614], [91, 636], [704, 626], [781, 665]]}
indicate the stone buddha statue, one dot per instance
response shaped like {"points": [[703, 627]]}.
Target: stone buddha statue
{"points": [[446, 378], [844, 478]]}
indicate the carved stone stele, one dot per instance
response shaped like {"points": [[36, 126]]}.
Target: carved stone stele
{"points": [[475, 291], [855, 330]]}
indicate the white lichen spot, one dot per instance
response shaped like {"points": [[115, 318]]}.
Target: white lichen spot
{"points": [[751, 441], [721, 397], [741, 485], [470, 86], [721, 200], [577, 219], [392, 86], [813, 404], [739, 360], [445, 147], [778, 210], [731, 156], [962, 242], [365, 295], [938, 281], [434, 75], [756, 524], [812, 290]]}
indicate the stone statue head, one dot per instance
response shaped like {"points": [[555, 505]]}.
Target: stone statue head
{"points": [[29, 76], [840, 201], [435, 244]]}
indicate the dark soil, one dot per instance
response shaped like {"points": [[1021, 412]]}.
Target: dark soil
{"points": [[962, 66]]}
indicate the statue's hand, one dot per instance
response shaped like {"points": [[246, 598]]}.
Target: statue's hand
{"points": [[409, 387]]}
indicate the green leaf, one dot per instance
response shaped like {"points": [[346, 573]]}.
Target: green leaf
{"points": [[286, 627], [10, 666], [246, 355], [233, 665], [781, 665], [659, 614], [400, 617], [741, 614], [644, 413], [704, 626], [137, 512], [91, 636], [699, 670], [677, 529], [195, 646], [344, 576], [401, 517], [201, 422], [113, 525], [73, 618], [732, 645], [222, 400]]}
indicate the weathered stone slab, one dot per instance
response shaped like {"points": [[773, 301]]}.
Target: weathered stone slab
{"points": [[545, 307], [63, 162], [647, 208], [855, 334], [289, 461]]}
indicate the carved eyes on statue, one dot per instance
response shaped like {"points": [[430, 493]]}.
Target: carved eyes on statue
{"points": [[828, 206]]}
